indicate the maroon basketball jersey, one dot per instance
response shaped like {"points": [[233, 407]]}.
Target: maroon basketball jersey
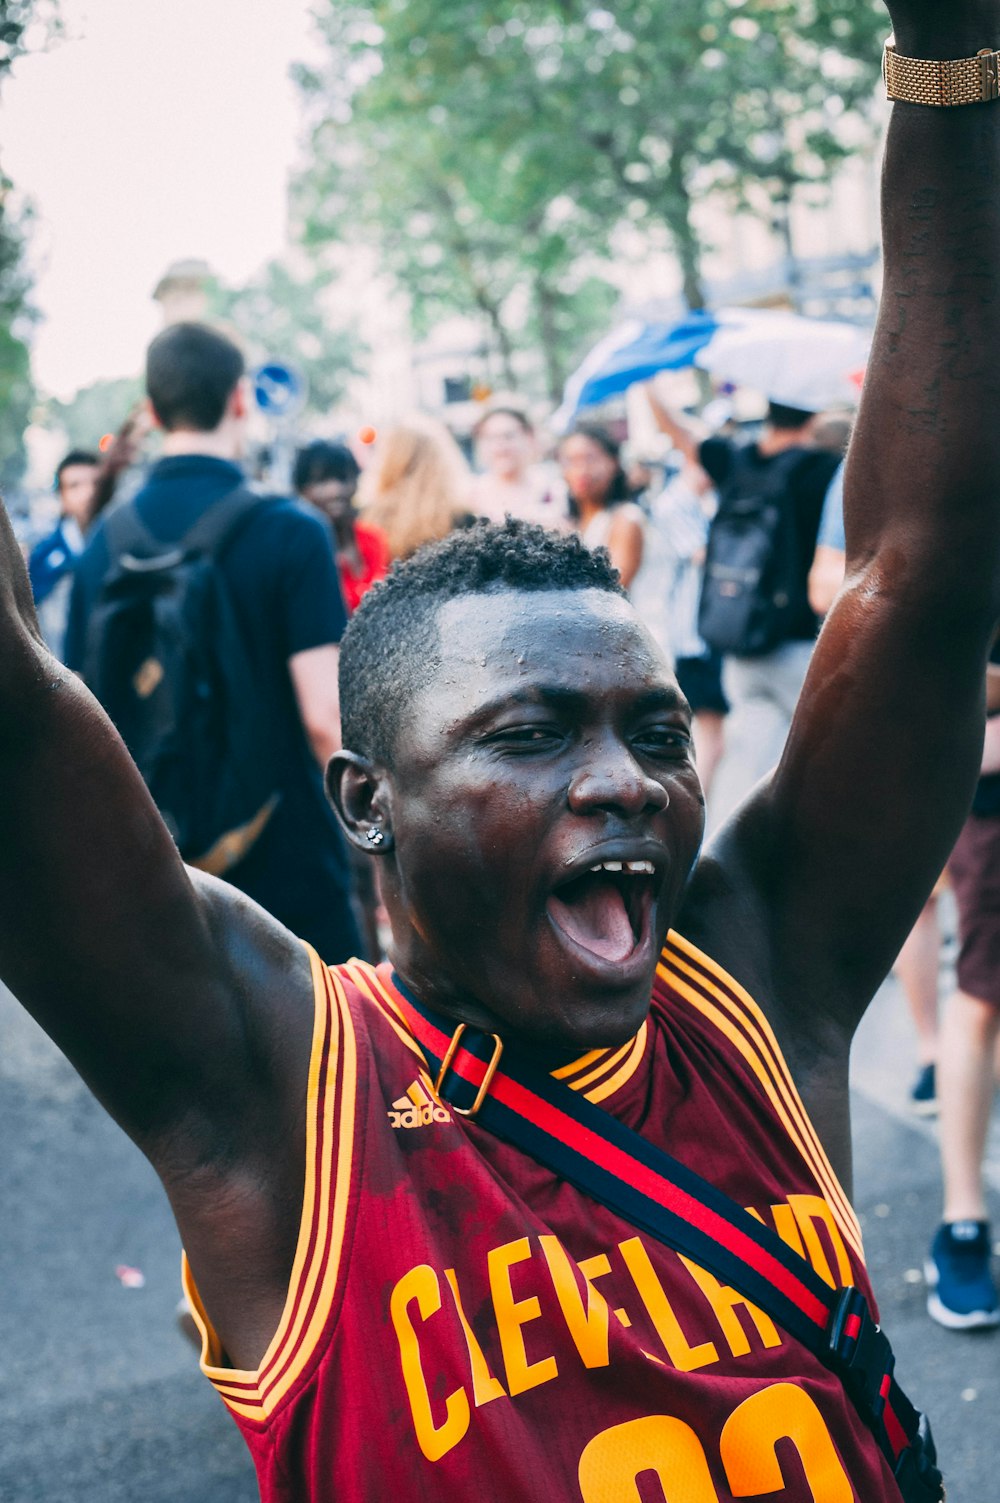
{"points": [[462, 1325]]}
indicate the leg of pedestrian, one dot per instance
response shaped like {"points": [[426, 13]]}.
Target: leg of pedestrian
{"points": [[917, 969], [962, 1294]]}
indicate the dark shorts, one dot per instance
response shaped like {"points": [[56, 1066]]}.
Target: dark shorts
{"points": [[701, 683], [974, 869]]}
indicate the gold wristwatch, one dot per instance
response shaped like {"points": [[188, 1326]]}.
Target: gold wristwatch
{"points": [[917, 80]]}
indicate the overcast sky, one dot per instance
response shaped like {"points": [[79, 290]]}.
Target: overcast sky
{"points": [[151, 131]]}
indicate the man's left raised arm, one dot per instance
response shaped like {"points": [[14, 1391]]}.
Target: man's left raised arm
{"points": [[844, 843]]}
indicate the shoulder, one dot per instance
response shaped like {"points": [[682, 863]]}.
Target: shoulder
{"points": [[373, 542], [283, 534], [815, 468], [284, 516], [717, 456]]}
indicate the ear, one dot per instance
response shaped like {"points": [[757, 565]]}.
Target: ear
{"points": [[359, 794], [238, 402], [154, 421]]}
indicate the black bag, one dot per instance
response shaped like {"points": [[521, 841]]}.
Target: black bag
{"points": [[165, 656], [754, 594]]}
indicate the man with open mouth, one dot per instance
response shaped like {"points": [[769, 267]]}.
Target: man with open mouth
{"points": [[555, 1205]]}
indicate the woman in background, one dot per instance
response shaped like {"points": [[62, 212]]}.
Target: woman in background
{"points": [[607, 517], [326, 475], [510, 485], [417, 487]]}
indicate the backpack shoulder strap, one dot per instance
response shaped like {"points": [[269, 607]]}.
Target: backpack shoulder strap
{"points": [[125, 532], [220, 522]]}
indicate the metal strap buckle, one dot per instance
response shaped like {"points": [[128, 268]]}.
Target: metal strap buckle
{"points": [[491, 1070], [989, 74]]}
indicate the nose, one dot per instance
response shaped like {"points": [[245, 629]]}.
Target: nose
{"points": [[610, 778]]}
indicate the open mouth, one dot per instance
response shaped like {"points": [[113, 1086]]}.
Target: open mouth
{"points": [[606, 911]]}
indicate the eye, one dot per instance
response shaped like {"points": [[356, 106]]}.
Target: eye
{"points": [[664, 740], [526, 737]]}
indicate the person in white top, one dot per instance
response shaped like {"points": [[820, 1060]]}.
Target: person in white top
{"points": [[511, 484]]}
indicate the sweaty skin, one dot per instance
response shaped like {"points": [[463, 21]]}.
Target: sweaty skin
{"points": [[550, 736], [189, 1011]]}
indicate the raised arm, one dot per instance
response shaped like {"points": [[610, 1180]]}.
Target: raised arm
{"points": [[146, 981], [841, 848], [685, 432]]}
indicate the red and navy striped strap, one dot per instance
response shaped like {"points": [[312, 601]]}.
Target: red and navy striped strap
{"points": [[617, 1167]]}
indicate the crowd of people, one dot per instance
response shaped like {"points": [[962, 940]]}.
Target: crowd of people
{"points": [[297, 570]]}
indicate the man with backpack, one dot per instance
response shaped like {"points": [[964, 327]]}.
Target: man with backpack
{"points": [[755, 597], [206, 619]]}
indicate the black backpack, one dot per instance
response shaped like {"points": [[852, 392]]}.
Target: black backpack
{"points": [[754, 594], [165, 656]]}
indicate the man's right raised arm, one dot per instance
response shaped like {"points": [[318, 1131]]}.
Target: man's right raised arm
{"points": [[103, 935]]}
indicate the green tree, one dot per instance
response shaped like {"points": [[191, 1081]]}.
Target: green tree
{"points": [[495, 148], [463, 219], [280, 314], [17, 394], [96, 410]]}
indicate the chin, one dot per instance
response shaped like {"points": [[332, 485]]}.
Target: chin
{"points": [[585, 1021]]}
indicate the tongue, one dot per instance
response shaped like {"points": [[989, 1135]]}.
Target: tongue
{"points": [[597, 920]]}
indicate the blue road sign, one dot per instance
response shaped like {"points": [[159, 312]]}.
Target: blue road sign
{"points": [[279, 390]]}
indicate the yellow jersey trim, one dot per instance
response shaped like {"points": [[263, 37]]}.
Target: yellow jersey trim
{"points": [[594, 1083], [330, 1110], [742, 1021]]}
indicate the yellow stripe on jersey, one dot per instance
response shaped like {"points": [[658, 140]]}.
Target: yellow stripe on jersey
{"points": [[580, 1064], [771, 1050], [314, 1278], [609, 1062], [366, 979], [637, 1049], [748, 1030]]}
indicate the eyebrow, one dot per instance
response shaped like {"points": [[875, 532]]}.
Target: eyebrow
{"points": [[569, 701]]}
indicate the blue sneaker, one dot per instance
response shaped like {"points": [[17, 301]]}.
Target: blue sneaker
{"points": [[923, 1097], [962, 1294]]}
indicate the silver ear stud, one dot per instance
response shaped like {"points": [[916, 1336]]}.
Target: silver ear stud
{"points": [[376, 836]]}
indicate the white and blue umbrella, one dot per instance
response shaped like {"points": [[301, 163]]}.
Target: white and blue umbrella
{"points": [[803, 362]]}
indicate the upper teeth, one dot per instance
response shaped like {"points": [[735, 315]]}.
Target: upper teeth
{"points": [[642, 868]]}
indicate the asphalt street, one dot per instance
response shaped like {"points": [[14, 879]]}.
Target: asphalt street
{"points": [[100, 1397]]}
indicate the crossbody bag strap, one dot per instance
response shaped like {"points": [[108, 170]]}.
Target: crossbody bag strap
{"points": [[587, 1146]]}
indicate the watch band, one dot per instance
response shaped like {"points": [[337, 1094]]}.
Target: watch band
{"points": [[917, 80]]}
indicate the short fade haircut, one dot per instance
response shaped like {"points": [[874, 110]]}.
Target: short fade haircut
{"points": [[191, 372], [76, 456], [323, 460], [391, 643]]}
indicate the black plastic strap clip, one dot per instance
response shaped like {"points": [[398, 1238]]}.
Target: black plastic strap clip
{"points": [[860, 1353], [917, 1474]]}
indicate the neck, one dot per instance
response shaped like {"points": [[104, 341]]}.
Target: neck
{"points": [[343, 529], [777, 440], [221, 443], [588, 510]]}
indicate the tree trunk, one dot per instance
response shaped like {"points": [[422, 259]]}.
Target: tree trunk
{"points": [[504, 347], [687, 246], [782, 224], [555, 372]]}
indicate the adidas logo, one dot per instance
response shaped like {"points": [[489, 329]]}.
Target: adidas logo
{"points": [[418, 1108]]}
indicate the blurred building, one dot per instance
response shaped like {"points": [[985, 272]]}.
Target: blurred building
{"points": [[183, 292]]}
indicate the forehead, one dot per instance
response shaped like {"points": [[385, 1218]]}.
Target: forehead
{"points": [[586, 641], [581, 446], [73, 474], [501, 424]]}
